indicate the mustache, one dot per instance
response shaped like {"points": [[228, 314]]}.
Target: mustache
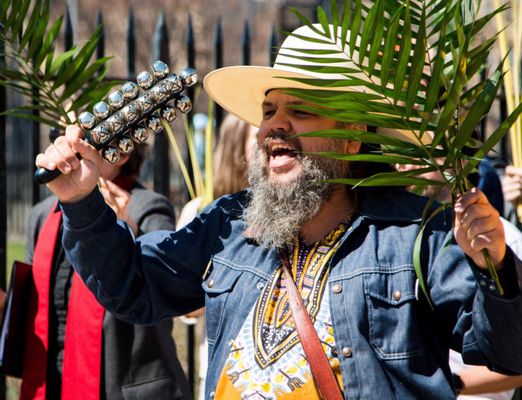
{"points": [[280, 137]]}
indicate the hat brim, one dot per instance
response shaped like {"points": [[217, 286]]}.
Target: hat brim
{"points": [[241, 90], [251, 84]]}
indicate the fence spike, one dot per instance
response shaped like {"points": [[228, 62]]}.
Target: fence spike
{"points": [[100, 51], [245, 44], [218, 56], [191, 62], [191, 48], [272, 46], [131, 45], [69, 32], [218, 44], [160, 51]]}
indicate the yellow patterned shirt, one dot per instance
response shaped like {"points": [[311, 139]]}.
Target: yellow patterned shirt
{"points": [[266, 359]]}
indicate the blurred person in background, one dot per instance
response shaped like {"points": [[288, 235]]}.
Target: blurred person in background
{"points": [[512, 189], [74, 349], [231, 156]]}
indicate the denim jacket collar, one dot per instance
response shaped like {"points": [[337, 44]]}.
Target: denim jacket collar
{"points": [[390, 204]]}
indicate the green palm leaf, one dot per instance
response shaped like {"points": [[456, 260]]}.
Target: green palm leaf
{"points": [[59, 82], [418, 64]]}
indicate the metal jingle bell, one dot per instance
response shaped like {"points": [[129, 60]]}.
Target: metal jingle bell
{"points": [[116, 99], [86, 120], [140, 134], [184, 104], [154, 124], [111, 154], [189, 76], [125, 145], [168, 114], [159, 69], [132, 112], [101, 110], [173, 83], [115, 122], [130, 90], [145, 79], [159, 92], [100, 134], [145, 102]]}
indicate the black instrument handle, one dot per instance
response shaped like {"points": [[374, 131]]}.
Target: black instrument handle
{"points": [[43, 175]]}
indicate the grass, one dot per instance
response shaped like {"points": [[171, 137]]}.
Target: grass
{"points": [[15, 251]]}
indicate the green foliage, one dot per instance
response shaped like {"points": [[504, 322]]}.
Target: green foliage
{"points": [[417, 60], [417, 71], [58, 84]]}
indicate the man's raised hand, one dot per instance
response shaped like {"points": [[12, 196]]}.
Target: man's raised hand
{"points": [[79, 174]]}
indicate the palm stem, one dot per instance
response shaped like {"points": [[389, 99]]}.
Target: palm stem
{"points": [[179, 156], [492, 271]]}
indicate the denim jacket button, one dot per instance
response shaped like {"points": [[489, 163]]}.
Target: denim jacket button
{"points": [[396, 295], [347, 352], [210, 283], [260, 285], [337, 288], [212, 394]]}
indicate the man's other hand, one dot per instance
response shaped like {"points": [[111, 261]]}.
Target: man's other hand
{"points": [[478, 227]]}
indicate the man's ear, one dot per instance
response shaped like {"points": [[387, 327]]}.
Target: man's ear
{"points": [[353, 146]]}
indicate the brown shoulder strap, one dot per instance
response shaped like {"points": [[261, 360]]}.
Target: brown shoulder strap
{"points": [[322, 372]]}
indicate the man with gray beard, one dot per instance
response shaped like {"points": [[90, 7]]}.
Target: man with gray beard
{"points": [[350, 254], [277, 212]]}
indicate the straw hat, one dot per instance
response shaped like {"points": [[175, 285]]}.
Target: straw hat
{"points": [[241, 89]]}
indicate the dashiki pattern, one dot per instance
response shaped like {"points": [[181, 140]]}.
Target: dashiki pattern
{"points": [[266, 360]]}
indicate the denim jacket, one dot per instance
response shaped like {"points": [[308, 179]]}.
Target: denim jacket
{"points": [[389, 342]]}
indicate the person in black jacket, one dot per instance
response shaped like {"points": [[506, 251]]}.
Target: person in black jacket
{"points": [[133, 362]]}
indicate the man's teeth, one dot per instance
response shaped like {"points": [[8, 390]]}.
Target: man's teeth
{"points": [[281, 151]]}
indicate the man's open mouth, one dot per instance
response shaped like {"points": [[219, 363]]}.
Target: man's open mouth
{"points": [[280, 154]]}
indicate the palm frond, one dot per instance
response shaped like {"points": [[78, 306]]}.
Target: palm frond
{"points": [[56, 83], [417, 60], [418, 63]]}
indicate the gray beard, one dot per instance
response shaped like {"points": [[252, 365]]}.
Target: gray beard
{"points": [[276, 213]]}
